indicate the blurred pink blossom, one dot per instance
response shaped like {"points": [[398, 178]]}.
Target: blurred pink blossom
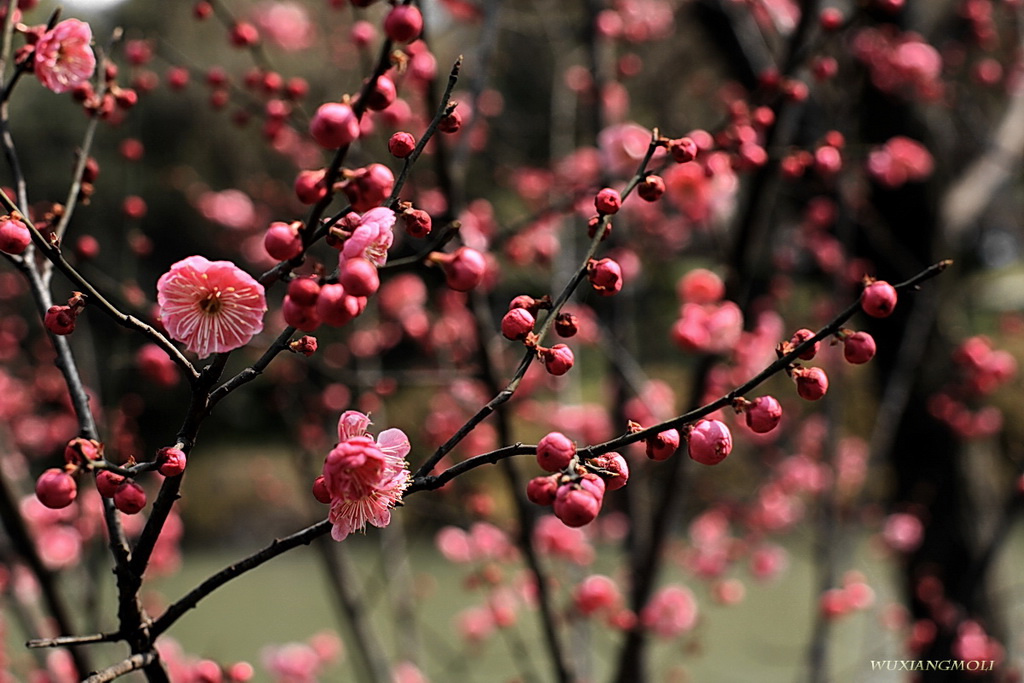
{"points": [[63, 57]]}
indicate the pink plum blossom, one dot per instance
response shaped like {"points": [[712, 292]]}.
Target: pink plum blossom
{"points": [[372, 238], [210, 306], [63, 57], [364, 478]]}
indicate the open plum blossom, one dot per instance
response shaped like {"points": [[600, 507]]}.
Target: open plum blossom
{"points": [[63, 56], [210, 306], [372, 237], [364, 478]]}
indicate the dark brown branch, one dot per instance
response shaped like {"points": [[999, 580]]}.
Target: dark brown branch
{"points": [[255, 370], [53, 253], [505, 394], [423, 482]]}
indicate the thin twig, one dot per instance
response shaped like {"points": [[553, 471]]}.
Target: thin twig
{"points": [[60, 641], [505, 394], [423, 482], [133, 663], [53, 253]]}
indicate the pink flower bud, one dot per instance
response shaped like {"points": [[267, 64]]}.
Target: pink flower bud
{"points": [[605, 276], [615, 470], [652, 188], [709, 442], [359, 277], [282, 241], [335, 307], [663, 445], [811, 383], [304, 291], [306, 345], [859, 348], [129, 498], [607, 201], [831, 18], [80, 452], [369, 187], [801, 336], [524, 301], [334, 125], [320, 491], [56, 489], [464, 269], [517, 323], [403, 23], [576, 506], [60, 320], [310, 186], [244, 34], [451, 123], [827, 161], [834, 603], [558, 360], [541, 490], [879, 299], [683, 150], [763, 414], [566, 325], [555, 451], [107, 482], [14, 236], [401, 144], [171, 461], [300, 317], [382, 95], [417, 223]]}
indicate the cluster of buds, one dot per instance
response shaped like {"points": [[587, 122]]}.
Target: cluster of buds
{"points": [[308, 303], [605, 276], [114, 100], [961, 404], [517, 324], [57, 487], [811, 383], [576, 489], [61, 319]]}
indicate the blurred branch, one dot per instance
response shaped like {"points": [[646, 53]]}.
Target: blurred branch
{"points": [[21, 539], [972, 192], [349, 597]]}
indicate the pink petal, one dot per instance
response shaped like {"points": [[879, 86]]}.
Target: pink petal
{"points": [[394, 442], [352, 423]]}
